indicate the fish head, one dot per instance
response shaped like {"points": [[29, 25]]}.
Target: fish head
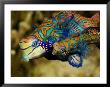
{"points": [[31, 48]]}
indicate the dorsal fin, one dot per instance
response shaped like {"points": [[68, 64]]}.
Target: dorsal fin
{"points": [[34, 26]]}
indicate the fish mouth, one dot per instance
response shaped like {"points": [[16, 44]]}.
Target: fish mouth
{"points": [[32, 53]]}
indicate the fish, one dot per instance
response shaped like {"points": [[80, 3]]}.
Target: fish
{"points": [[66, 35]]}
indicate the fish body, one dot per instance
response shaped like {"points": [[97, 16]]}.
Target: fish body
{"points": [[66, 35]]}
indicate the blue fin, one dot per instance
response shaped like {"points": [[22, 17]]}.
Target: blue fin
{"points": [[75, 60], [78, 54]]}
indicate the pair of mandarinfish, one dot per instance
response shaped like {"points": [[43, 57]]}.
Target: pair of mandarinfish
{"points": [[66, 36]]}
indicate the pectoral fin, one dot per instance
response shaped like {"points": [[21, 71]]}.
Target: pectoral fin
{"points": [[75, 60]]}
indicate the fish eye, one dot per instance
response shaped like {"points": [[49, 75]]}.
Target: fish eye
{"points": [[34, 44]]}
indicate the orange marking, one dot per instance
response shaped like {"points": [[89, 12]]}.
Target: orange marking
{"points": [[76, 38], [38, 36], [66, 44], [44, 32]]}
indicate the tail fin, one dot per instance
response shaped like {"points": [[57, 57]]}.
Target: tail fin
{"points": [[96, 18]]}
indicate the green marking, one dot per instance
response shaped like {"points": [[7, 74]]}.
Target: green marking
{"points": [[44, 39], [41, 34], [48, 25], [49, 31]]}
